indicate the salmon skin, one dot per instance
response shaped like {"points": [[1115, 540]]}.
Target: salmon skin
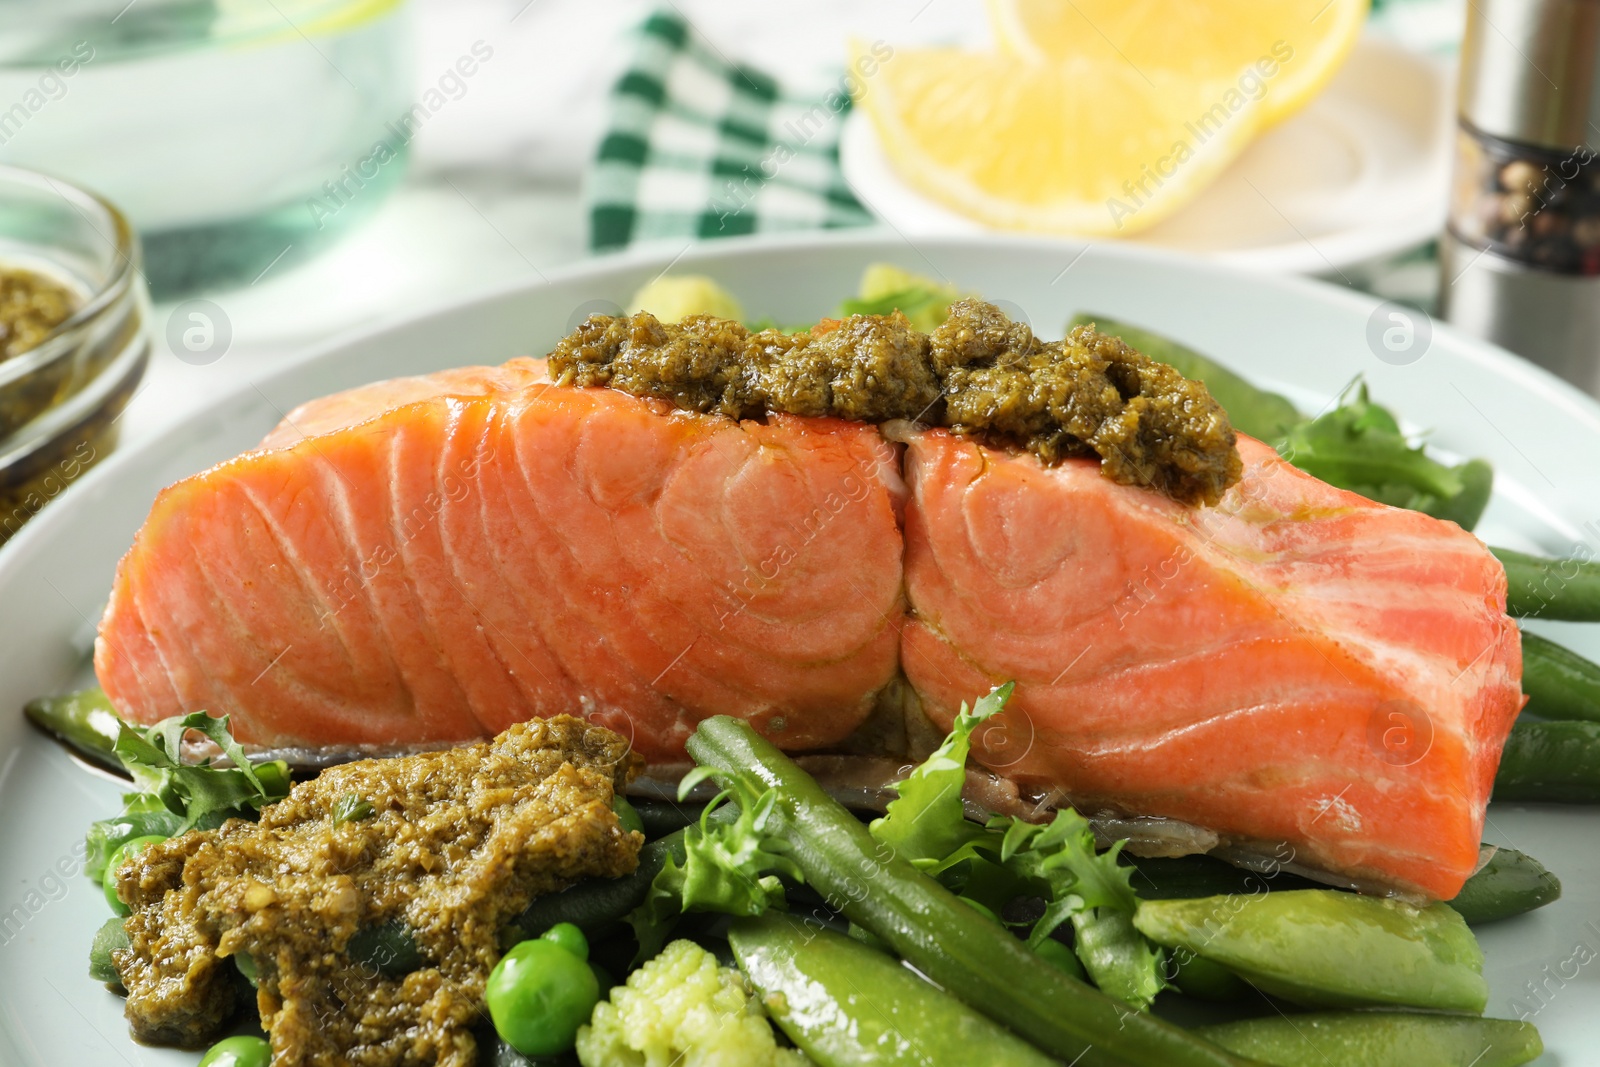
{"points": [[432, 559]]}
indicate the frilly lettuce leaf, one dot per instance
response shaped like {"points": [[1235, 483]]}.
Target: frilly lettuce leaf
{"points": [[1092, 890], [728, 867], [174, 797], [153, 755], [926, 823]]}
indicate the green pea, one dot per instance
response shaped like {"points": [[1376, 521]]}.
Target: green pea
{"points": [[568, 937], [131, 847], [539, 994], [1060, 956], [241, 1051], [626, 815]]}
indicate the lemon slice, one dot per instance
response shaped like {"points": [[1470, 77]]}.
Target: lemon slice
{"points": [[1082, 145], [1289, 48]]}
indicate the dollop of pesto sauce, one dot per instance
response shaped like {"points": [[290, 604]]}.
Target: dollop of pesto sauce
{"points": [[31, 305], [979, 374]]}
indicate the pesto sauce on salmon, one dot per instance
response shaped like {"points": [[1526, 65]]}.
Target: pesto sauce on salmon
{"points": [[978, 373]]}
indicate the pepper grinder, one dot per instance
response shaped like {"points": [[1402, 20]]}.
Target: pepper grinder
{"points": [[1520, 257]]}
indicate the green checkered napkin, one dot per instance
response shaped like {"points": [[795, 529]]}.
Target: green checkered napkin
{"points": [[701, 146]]}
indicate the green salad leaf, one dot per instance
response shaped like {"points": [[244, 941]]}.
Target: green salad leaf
{"points": [[174, 797], [1092, 890], [731, 867], [153, 755], [926, 823], [1010, 857], [1359, 446]]}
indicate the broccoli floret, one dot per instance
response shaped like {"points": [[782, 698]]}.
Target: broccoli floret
{"points": [[682, 1009]]}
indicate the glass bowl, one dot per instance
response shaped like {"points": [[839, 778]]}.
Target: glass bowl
{"points": [[237, 135], [60, 400]]}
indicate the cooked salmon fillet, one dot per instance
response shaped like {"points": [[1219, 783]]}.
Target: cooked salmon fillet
{"points": [[1297, 664], [433, 559]]}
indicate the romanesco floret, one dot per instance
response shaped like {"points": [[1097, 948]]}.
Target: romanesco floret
{"points": [[682, 1009]]}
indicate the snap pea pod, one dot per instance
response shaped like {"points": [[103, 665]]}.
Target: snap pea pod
{"points": [[1257, 412], [1365, 1038], [1325, 948], [974, 958], [1566, 589], [846, 1005], [389, 948], [1511, 883], [1557, 762], [85, 721], [1560, 683]]}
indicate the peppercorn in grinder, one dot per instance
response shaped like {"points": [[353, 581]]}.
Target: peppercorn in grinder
{"points": [[1520, 258]]}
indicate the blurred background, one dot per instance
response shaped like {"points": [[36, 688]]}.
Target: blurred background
{"points": [[294, 169]]}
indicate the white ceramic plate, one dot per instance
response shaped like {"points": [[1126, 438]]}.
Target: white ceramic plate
{"points": [[1361, 173], [1300, 336]]}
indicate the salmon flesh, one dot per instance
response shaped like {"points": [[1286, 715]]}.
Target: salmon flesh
{"points": [[433, 559]]}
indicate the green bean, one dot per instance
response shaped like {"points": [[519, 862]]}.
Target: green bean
{"points": [[663, 817], [1254, 411], [1551, 588], [1168, 878], [108, 939], [595, 904], [1560, 683], [1557, 762], [85, 721], [975, 959], [389, 947], [1511, 883], [1361, 1039], [846, 1005], [627, 815]]}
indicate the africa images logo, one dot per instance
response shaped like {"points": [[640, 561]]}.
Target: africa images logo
{"points": [[1250, 87]]}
